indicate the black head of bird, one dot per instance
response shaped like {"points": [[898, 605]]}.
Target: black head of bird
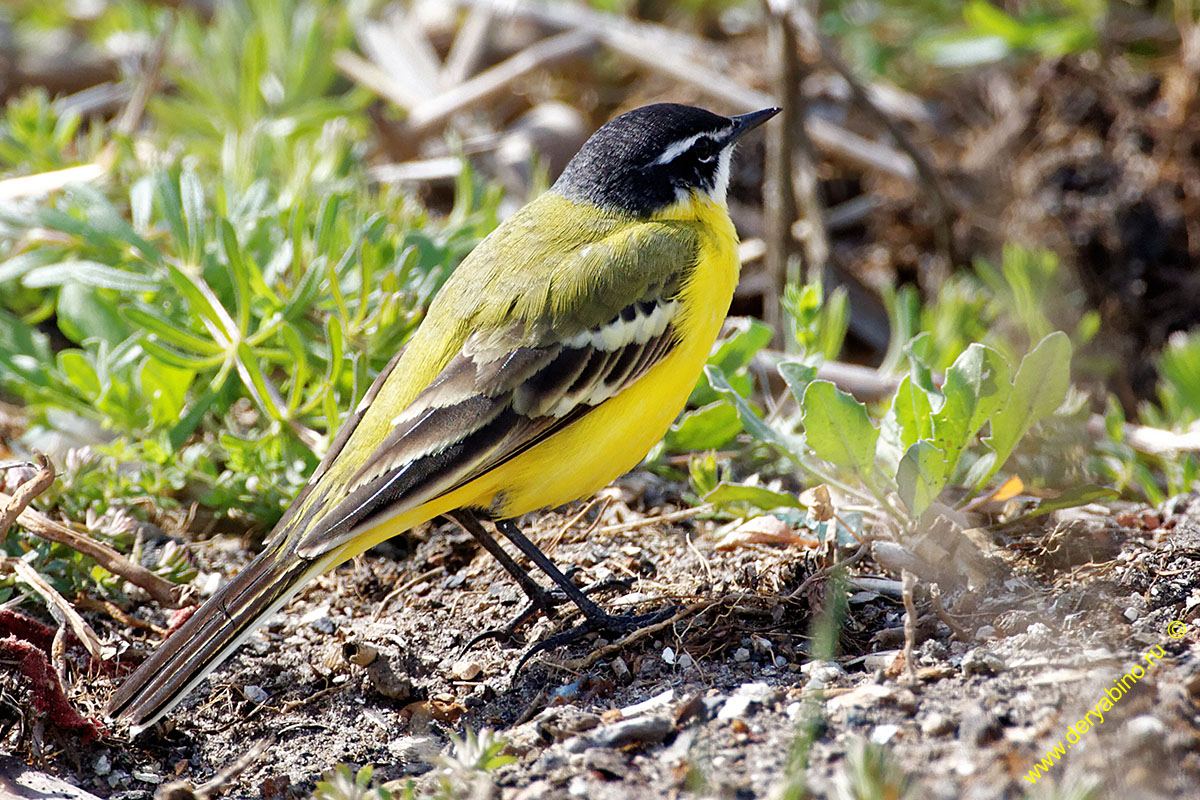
{"points": [[650, 158]]}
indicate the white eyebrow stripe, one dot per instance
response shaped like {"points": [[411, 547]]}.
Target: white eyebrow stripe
{"points": [[677, 148]]}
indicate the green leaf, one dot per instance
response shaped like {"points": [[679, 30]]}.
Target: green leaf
{"points": [[976, 387], [798, 376], [88, 273], [732, 355], [913, 412], [759, 497], [1076, 496], [908, 420], [838, 429], [707, 428], [80, 373], [85, 313], [166, 389], [917, 352], [24, 351], [238, 271], [170, 332], [21, 264], [921, 476], [264, 393], [191, 193], [1037, 391], [204, 302], [182, 360]]}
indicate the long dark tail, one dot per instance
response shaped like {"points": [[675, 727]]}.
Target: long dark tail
{"points": [[209, 636]]}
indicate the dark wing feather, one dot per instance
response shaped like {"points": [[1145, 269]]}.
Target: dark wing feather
{"points": [[487, 407]]}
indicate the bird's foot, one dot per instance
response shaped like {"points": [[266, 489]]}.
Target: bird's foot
{"points": [[609, 623], [545, 602]]}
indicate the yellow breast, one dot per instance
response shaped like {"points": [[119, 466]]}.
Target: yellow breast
{"points": [[614, 437]]}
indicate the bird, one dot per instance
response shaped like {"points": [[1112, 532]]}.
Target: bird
{"points": [[550, 362]]}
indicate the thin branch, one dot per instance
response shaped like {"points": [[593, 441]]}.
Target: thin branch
{"points": [[545, 53], [25, 493], [164, 592], [62, 611]]}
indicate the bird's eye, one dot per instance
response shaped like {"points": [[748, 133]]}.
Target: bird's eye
{"points": [[706, 150]]}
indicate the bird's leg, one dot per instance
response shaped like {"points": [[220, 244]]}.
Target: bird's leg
{"points": [[539, 598], [531, 551], [597, 618]]}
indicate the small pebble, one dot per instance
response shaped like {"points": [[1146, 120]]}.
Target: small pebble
{"points": [[937, 724], [741, 655], [1131, 613], [102, 766], [1146, 731], [884, 733], [256, 693], [982, 662], [644, 729], [466, 670], [668, 655], [685, 661]]}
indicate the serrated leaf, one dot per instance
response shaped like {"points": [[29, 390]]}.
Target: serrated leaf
{"points": [[1037, 391], [797, 375], [921, 476], [917, 352], [837, 428], [975, 388], [908, 420]]}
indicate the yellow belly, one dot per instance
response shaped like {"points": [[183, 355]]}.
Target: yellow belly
{"points": [[614, 437]]}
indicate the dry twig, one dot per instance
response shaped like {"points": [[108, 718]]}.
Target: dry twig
{"points": [[163, 591], [908, 583]]}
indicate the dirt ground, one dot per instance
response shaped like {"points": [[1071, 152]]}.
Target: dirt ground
{"points": [[708, 704]]}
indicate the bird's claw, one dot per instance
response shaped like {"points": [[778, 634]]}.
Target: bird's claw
{"points": [[545, 603], [610, 623]]}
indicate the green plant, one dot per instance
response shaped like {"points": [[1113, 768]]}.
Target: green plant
{"points": [[1164, 467], [466, 772], [818, 323], [899, 38], [37, 136], [342, 784], [928, 438], [1008, 307], [870, 772]]}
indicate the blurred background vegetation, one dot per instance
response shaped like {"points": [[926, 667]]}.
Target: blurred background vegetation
{"points": [[220, 218]]}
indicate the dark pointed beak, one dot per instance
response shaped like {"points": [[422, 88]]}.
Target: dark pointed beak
{"points": [[744, 123]]}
